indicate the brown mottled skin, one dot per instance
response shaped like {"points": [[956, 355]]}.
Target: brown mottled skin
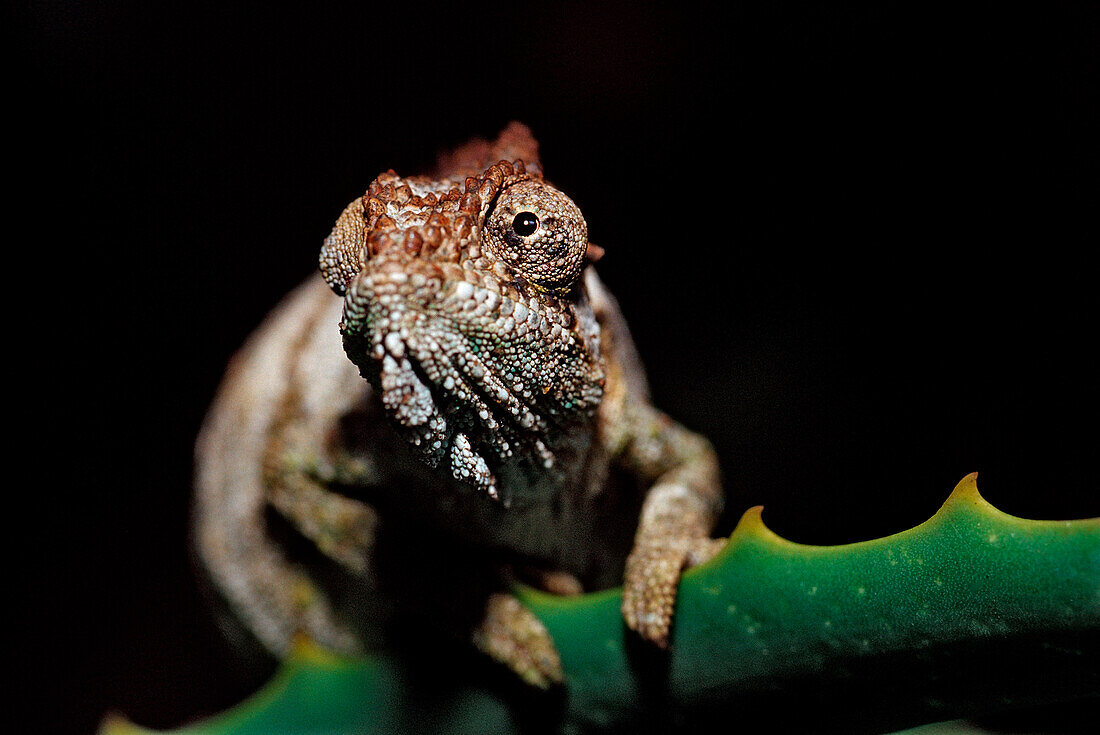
{"points": [[503, 428]]}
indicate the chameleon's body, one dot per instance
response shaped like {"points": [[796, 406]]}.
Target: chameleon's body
{"points": [[504, 422]]}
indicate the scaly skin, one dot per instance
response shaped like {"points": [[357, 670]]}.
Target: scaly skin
{"points": [[504, 422]]}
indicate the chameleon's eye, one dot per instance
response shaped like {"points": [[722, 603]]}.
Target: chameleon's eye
{"points": [[540, 232], [525, 224]]}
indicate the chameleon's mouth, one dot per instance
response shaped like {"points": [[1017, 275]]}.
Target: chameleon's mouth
{"points": [[455, 409], [446, 380]]}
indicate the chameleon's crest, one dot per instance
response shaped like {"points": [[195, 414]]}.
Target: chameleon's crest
{"points": [[432, 216]]}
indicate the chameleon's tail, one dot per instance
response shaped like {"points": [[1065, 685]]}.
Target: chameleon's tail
{"points": [[267, 592]]}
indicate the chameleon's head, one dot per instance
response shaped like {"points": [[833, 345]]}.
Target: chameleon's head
{"points": [[465, 309]]}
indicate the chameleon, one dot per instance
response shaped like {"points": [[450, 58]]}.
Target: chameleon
{"points": [[454, 402]]}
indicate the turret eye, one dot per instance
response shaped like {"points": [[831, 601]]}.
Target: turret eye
{"points": [[539, 233], [525, 224]]}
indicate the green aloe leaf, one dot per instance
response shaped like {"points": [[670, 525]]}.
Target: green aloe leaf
{"points": [[973, 611], [317, 691]]}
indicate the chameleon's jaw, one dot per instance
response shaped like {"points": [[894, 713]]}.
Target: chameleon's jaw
{"points": [[462, 382], [446, 401], [404, 349]]}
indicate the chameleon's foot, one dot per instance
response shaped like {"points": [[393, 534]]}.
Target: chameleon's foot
{"points": [[652, 577], [512, 635], [649, 588]]}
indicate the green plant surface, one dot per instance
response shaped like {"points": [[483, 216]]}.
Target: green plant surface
{"points": [[316, 691], [973, 611]]}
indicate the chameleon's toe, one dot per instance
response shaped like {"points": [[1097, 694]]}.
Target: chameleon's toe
{"points": [[652, 577], [554, 581], [649, 590], [512, 635]]}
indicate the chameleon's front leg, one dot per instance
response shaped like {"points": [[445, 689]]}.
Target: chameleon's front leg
{"points": [[678, 514], [512, 635], [297, 474]]}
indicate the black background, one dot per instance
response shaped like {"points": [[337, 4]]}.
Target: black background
{"points": [[854, 245]]}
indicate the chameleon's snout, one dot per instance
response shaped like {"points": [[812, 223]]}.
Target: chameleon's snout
{"points": [[401, 329]]}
